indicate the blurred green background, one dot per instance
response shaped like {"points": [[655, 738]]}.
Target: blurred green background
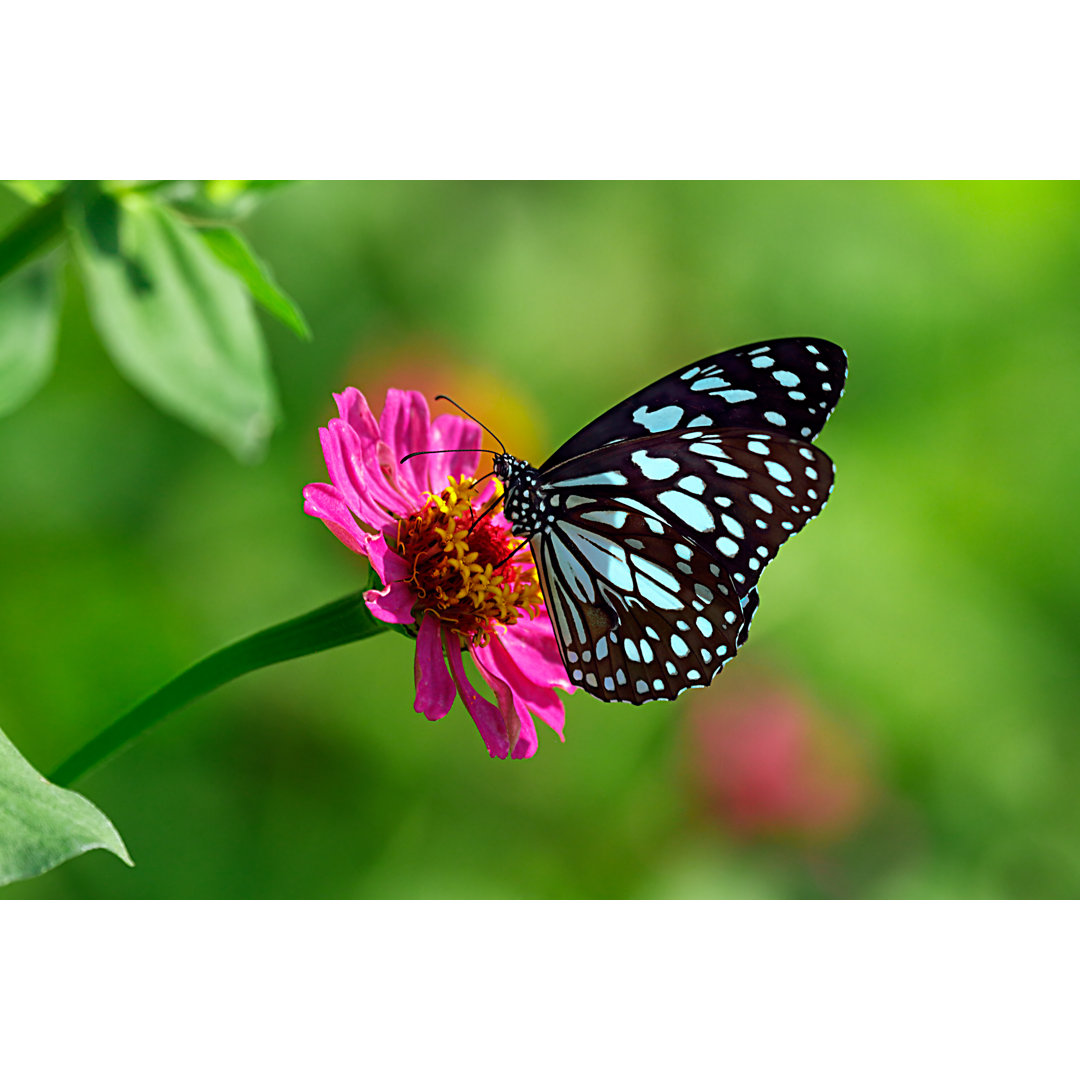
{"points": [[903, 721]]}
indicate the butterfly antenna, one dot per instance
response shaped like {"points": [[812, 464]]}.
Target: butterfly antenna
{"points": [[443, 397], [448, 450]]}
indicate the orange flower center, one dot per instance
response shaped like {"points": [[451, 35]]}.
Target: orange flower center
{"points": [[454, 560]]}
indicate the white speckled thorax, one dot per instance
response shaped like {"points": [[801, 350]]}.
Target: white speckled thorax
{"points": [[526, 506]]}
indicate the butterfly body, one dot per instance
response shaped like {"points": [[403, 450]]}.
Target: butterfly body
{"points": [[525, 504], [651, 526]]}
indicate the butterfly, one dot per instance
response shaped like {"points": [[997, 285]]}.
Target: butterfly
{"points": [[650, 527]]}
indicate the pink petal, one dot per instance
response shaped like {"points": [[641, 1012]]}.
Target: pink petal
{"points": [[531, 698], [323, 501], [452, 433], [405, 425], [490, 721], [531, 644], [355, 470], [354, 410], [488, 661], [347, 482], [394, 475], [386, 562], [435, 691], [394, 602], [527, 743]]}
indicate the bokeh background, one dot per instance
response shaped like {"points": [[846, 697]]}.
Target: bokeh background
{"points": [[904, 721]]}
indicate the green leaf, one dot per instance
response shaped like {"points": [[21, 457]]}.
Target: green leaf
{"points": [[42, 825], [34, 191], [33, 235], [29, 307], [233, 250], [220, 200], [176, 322]]}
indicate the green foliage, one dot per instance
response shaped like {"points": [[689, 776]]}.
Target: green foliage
{"points": [[34, 191], [219, 200], [42, 825], [175, 321], [28, 315], [33, 235], [233, 250]]}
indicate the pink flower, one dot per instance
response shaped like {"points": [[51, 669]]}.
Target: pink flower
{"points": [[772, 767], [440, 572]]}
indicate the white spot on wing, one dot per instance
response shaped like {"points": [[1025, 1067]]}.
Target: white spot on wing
{"points": [[606, 558], [610, 479], [693, 511], [726, 469], [615, 518], [694, 484], [658, 573], [654, 468], [660, 419], [707, 449], [732, 526]]}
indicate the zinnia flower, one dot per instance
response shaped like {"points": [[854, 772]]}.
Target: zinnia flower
{"points": [[442, 569]]}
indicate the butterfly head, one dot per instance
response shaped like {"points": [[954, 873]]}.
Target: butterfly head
{"points": [[526, 505]]}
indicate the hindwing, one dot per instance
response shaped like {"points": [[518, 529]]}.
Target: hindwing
{"points": [[639, 612]]}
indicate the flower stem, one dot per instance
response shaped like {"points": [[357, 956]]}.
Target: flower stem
{"points": [[339, 623], [34, 234]]}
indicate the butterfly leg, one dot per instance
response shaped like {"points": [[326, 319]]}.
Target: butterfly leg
{"points": [[511, 555], [491, 507]]}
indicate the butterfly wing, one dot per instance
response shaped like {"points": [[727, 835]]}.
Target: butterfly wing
{"points": [[788, 386], [737, 495], [640, 614]]}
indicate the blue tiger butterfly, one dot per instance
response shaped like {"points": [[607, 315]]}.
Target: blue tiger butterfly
{"points": [[651, 526]]}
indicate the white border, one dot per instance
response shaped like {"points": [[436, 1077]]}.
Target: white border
{"points": [[567, 89], [533, 989]]}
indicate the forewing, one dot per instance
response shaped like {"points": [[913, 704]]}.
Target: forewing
{"points": [[738, 495], [788, 385], [640, 614]]}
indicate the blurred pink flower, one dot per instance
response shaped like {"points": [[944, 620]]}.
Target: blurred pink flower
{"points": [[769, 766], [414, 523]]}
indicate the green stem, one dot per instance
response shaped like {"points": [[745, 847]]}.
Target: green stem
{"points": [[34, 234], [339, 623]]}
